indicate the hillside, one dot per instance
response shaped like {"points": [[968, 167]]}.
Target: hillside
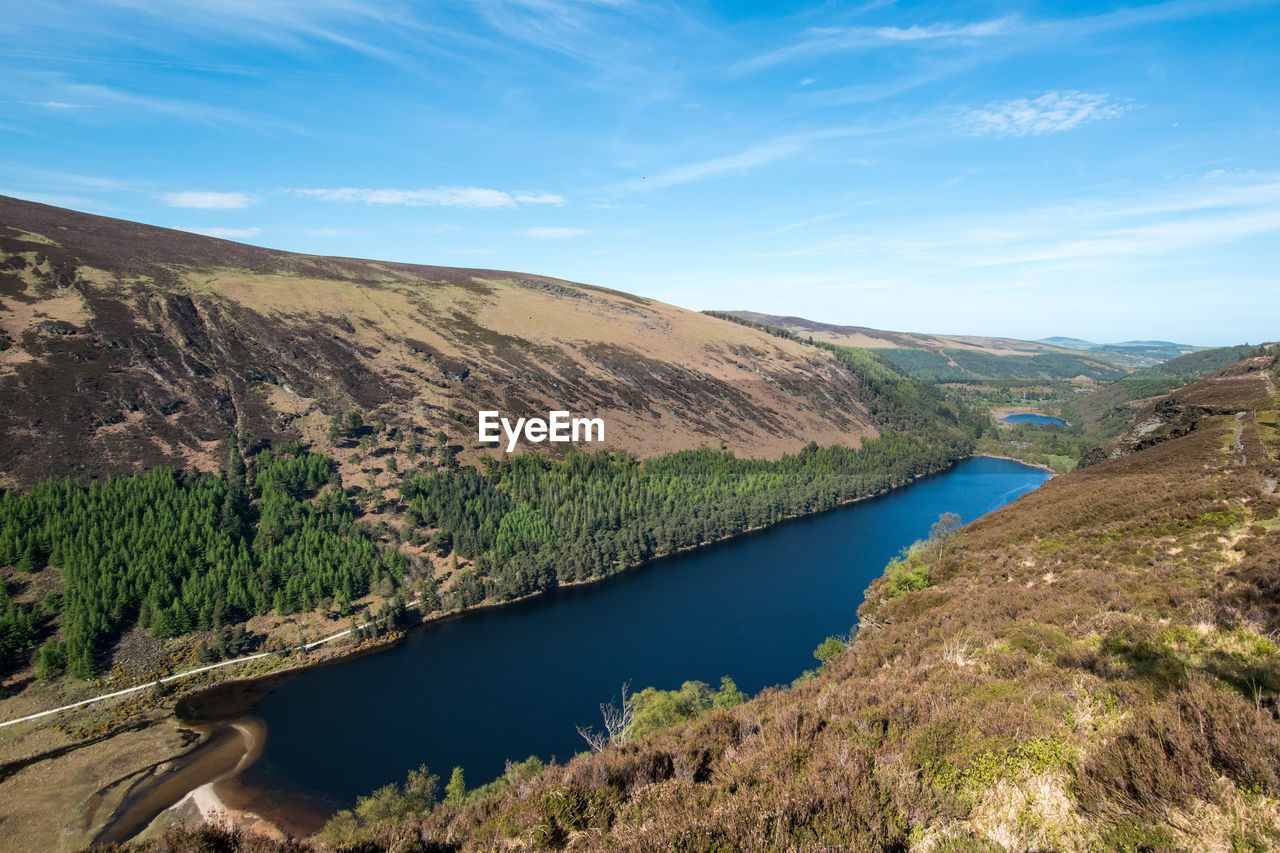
{"points": [[215, 453], [1135, 354], [125, 345], [1091, 668], [1108, 409], [971, 358]]}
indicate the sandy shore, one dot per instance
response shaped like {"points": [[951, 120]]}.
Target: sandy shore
{"points": [[193, 781]]}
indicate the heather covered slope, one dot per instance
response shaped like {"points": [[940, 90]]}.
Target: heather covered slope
{"points": [[1091, 668], [124, 345]]}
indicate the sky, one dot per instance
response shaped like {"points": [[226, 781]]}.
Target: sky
{"points": [[1107, 171]]}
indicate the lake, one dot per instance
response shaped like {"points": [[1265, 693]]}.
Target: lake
{"points": [[1033, 418], [514, 681]]}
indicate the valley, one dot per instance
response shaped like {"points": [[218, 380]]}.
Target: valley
{"points": [[260, 506]]}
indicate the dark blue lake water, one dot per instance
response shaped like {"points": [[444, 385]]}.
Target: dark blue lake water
{"points": [[1033, 418], [514, 681]]}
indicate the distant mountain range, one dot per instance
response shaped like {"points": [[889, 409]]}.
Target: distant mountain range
{"points": [[966, 358]]}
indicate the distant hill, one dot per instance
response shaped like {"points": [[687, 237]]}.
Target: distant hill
{"points": [[126, 345], [1131, 354], [969, 358]]}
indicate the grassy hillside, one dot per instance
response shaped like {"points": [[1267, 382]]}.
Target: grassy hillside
{"points": [[123, 345], [1093, 667]]}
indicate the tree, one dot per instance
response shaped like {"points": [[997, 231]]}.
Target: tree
{"points": [[728, 695], [51, 660], [830, 647], [947, 525], [456, 790], [617, 722]]}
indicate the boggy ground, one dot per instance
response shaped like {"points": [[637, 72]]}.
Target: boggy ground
{"points": [[1091, 668]]}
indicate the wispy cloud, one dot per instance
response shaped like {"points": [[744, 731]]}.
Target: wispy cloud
{"points": [[227, 233], [1107, 230], [1049, 113], [275, 21], [760, 154], [93, 102], [821, 41], [539, 198], [467, 197], [209, 200], [689, 172], [826, 40], [551, 233]]}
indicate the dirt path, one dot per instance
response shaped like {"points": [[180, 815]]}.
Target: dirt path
{"points": [[181, 675]]}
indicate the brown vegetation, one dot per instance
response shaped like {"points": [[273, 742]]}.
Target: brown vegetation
{"points": [[124, 345], [1094, 667]]}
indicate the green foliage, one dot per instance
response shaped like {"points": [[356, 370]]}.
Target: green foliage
{"points": [[728, 695], [156, 549], [534, 522], [907, 572], [829, 648], [456, 790], [18, 627], [1026, 758], [51, 660], [929, 365], [1041, 365], [390, 802], [654, 709]]}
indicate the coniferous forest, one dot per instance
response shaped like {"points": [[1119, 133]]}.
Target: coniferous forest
{"points": [[178, 551]]}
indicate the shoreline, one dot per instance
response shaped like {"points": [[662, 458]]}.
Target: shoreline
{"points": [[236, 696], [1042, 467], [999, 413]]}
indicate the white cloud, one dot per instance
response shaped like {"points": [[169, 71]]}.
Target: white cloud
{"points": [[943, 31], [1049, 113], [555, 233], [478, 198], [540, 198], [227, 233], [208, 200]]}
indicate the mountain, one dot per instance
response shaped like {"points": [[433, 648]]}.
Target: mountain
{"points": [[1131, 354], [867, 338], [126, 345], [972, 358], [1093, 667], [1068, 343]]}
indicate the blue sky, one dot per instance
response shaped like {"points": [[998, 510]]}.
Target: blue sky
{"points": [[1099, 170]]}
